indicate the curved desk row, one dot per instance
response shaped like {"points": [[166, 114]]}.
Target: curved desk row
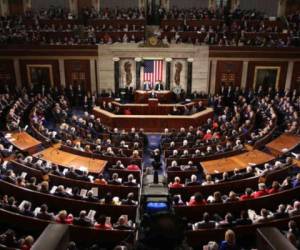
{"points": [[152, 123]]}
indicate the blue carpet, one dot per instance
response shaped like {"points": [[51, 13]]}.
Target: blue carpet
{"points": [[153, 143]]}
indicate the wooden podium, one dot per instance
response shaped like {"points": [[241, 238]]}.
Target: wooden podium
{"points": [[153, 105]]}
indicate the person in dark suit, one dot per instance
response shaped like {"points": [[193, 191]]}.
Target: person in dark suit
{"points": [[130, 200], [280, 213], [147, 86], [82, 220], [44, 214], [223, 91], [205, 223], [193, 181], [27, 210], [159, 86], [130, 181], [244, 219], [152, 94], [72, 174]]}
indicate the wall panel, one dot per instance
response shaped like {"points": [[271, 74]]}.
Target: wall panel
{"points": [[53, 63], [38, 4], [78, 72], [267, 6], [228, 73], [283, 72], [189, 4], [296, 76], [7, 73], [119, 4]]}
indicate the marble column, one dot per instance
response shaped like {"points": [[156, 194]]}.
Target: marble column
{"points": [[189, 76], [27, 5], [138, 61], [289, 76], [62, 74], [142, 4], [244, 75], [96, 5], [73, 6], [93, 76], [17, 72], [117, 74], [168, 73], [4, 9], [213, 77]]}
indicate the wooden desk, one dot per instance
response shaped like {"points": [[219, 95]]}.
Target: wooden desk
{"points": [[239, 161], [152, 123], [153, 107], [285, 142], [142, 96], [66, 159], [23, 141]]}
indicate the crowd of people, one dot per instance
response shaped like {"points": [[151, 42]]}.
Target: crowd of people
{"points": [[247, 217], [236, 28], [85, 219], [10, 239]]}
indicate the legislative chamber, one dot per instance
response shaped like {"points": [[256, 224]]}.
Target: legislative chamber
{"points": [[149, 124]]}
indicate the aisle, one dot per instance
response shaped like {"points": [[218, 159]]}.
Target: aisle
{"points": [[153, 143]]}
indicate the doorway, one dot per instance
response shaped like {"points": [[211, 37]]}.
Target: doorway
{"points": [[153, 12]]}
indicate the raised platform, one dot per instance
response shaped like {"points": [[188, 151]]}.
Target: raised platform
{"points": [[283, 143], [240, 161], [152, 123], [59, 157], [23, 141]]}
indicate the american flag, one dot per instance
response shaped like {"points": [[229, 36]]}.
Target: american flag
{"points": [[153, 71]]}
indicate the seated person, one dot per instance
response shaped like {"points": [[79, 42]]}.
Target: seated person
{"points": [[130, 181], [44, 214], [100, 180], [174, 166], [63, 217], [122, 223], [262, 190], [82, 220], [194, 181], [101, 223], [159, 86], [130, 200], [115, 180], [147, 86], [205, 223], [197, 200], [227, 222], [176, 183]]}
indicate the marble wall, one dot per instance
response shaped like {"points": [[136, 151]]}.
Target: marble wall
{"points": [[106, 54]]}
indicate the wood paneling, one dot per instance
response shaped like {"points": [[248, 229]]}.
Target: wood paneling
{"points": [[53, 63], [16, 7], [249, 52], [48, 50], [78, 72], [251, 72], [296, 76], [7, 73], [292, 6], [84, 4], [229, 73]]}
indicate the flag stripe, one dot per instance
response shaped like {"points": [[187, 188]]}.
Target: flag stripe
{"points": [[153, 71]]}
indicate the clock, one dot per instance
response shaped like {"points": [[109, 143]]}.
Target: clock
{"points": [[153, 41]]}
